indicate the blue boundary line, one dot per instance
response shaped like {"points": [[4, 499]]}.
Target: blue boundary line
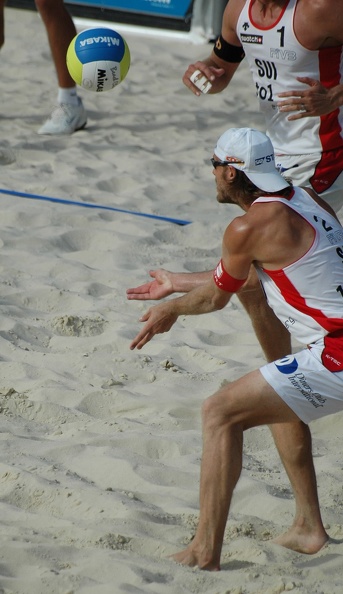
{"points": [[92, 205]]}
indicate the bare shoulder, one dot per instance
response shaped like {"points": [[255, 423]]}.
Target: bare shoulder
{"points": [[257, 236], [270, 234], [324, 18], [230, 17], [265, 221], [244, 231]]}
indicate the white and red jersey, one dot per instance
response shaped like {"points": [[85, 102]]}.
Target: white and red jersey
{"points": [[276, 58], [307, 295]]}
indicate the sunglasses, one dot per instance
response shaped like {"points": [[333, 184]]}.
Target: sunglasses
{"points": [[216, 164]]}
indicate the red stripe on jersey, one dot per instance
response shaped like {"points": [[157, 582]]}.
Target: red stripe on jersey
{"points": [[292, 296], [330, 131], [329, 72], [332, 354], [327, 170]]}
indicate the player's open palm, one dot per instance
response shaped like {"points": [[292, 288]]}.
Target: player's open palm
{"points": [[160, 287]]}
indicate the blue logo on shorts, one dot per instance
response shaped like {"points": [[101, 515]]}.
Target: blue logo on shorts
{"points": [[287, 365]]}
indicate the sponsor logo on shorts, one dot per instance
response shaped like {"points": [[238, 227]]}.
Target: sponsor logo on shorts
{"points": [[299, 382], [287, 365], [256, 39]]}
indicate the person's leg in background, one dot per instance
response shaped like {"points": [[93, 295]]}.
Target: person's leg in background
{"points": [[70, 115]]}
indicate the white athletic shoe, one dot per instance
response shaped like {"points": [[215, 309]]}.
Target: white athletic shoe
{"points": [[65, 119]]}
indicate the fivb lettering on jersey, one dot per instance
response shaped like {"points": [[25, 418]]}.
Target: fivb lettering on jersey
{"points": [[280, 54], [102, 39]]}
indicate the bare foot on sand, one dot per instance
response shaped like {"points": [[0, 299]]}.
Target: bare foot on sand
{"points": [[302, 541], [194, 559]]}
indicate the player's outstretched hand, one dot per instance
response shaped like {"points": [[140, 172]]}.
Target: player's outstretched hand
{"points": [[159, 319], [160, 287]]}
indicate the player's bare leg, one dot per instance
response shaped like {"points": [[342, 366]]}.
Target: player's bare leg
{"points": [[307, 534], [292, 439], [61, 30], [246, 403]]}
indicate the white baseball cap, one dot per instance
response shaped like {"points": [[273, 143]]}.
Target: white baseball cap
{"points": [[251, 151]]}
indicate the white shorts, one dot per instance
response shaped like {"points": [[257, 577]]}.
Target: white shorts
{"points": [[305, 385], [300, 170]]}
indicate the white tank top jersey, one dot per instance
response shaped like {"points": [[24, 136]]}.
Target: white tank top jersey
{"points": [[307, 295], [276, 58]]}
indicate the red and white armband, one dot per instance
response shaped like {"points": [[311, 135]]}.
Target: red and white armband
{"points": [[225, 281]]}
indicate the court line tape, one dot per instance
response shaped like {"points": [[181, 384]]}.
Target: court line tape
{"points": [[92, 205]]}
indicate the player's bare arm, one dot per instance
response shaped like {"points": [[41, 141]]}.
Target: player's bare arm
{"points": [[162, 317], [165, 283], [236, 261], [217, 71]]}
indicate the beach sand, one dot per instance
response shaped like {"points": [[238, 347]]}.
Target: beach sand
{"points": [[101, 446]]}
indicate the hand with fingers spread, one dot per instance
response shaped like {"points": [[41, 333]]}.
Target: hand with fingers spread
{"points": [[160, 287], [315, 101], [159, 319]]}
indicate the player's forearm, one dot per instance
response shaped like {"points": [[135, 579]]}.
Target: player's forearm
{"points": [[205, 298], [183, 282], [219, 83]]}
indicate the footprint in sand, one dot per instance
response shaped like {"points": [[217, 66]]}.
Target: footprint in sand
{"points": [[7, 156]]}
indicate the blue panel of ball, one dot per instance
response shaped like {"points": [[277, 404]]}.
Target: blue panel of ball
{"points": [[106, 45]]}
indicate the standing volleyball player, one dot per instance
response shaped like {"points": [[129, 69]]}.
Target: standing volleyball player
{"points": [[69, 114], [294, 51]]}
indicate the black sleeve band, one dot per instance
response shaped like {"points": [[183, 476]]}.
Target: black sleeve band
{"points": [[228, 52]]}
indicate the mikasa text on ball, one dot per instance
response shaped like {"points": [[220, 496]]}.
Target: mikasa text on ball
{"points": [[98, 59]]}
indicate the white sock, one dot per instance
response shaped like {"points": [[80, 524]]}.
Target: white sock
{"points": [[68, 95]]}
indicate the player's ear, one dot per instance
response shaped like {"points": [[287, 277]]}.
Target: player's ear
{"points": [[231, 172]]}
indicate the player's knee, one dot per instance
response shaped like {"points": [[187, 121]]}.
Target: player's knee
{"points": [[210, 413], [219, 409]]}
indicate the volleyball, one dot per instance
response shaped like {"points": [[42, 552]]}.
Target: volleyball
{"points": [[98, 59]]}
